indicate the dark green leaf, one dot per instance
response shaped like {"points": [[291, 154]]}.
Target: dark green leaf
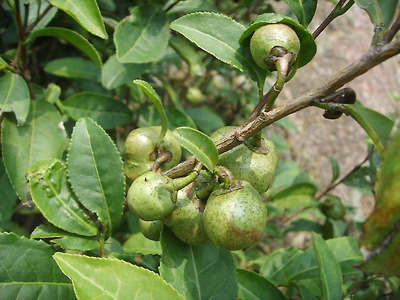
{"points": [[381, 13], [86, 13], [14, 96], [152, 94], [304, 225], [331, 276], [254, 286], [36, 8], [199, 144], [219, 35], [192, 58], [115, 74], [95, 171], [42, 136], [189, 6], [303, 9], [71, 37], [377, 125], [202, 272], [206, 120], [143, 36], [107, 111], [28, 271], [73, 67], [8, 197], [52, 195], [105, 278]]}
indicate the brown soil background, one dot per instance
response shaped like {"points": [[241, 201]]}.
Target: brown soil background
{"points": [[342, 43]]}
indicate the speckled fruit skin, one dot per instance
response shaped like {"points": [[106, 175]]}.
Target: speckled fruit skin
{"points": [[186, 220], [235, 219], [140, 151], [152, 196], [269, 36], [151, 229], [256, 167]]}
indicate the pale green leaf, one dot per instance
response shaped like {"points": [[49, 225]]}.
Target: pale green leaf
{"points": [[139, 243], [105, 110], [95, 171], [115, 74], [42, 136], [143, 36], [52, 195], [377, 125], [85, 12], [205, 119], [329, 268], [28, 271], [71, 37], [73, 67], [199, 144], [201, 272], [381, 13], [14, 96], [155, 98], [106, 278]]}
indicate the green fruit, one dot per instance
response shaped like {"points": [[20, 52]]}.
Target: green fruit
{"points": [[255, 165], [235, 219], [267, 37], [333, 208], [151, 229], [141, 151], [186, 220], [152, 196]]}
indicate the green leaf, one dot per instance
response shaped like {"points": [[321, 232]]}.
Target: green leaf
{"points": [[28, 271], [202, 272], [73, 67], [219, 35], [254, 286], [377, 125], [304, 225], [36, 8], [53, 197], [115, 74], [186, 51], [379, 231], [95, 171], [206, 120], [199, 144], [86, 13], [106, 278], [143, 36], [71, 37], [296, 265], [8, 197], [302, 194], [381, 13], [148, 261], [152, 94], [335, 169], [106, 111], [14, 96], [139, 243], [42, 136], [64, 239], [303, 9], [331, 276]]}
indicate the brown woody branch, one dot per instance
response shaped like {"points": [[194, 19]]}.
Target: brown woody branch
{"points": [[373, 57]]}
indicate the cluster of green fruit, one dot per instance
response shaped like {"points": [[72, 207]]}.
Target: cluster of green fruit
{"points": [[224, 207]]}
